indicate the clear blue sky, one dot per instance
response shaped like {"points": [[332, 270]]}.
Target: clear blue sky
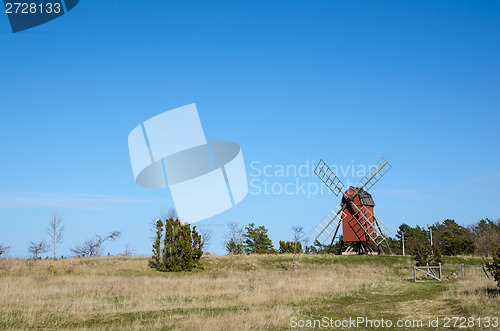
{"points": [[290, 81]]}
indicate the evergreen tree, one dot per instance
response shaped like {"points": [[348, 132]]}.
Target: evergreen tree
{"points": [[234, 248], [290, 247], [234, 243], [197, 245], [257, 241], [182, 247], [156, 245], [425, 254], [413, 236], [436, 255], [494, 267], [318, 248], [452, 238], [486, 236]]}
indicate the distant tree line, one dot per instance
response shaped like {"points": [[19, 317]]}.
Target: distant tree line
{"points": [[452, 239], [55, 229], [448, 238]]}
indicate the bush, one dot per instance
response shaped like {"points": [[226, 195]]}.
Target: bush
{"points": [[290, 247], [425, 254], [182, 247], [257, 241], [494, 267]]}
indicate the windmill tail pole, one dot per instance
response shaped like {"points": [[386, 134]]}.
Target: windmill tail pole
{"points": [[333, 239], [386, 243]]}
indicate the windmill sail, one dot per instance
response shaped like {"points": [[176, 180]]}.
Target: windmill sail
{"points": [[331, 180], [324, 229], [376, 172]]}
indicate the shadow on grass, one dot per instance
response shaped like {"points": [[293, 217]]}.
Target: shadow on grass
{"points": [[491, 292]]}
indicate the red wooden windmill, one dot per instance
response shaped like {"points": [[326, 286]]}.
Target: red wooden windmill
{"points": [[355, 212]]}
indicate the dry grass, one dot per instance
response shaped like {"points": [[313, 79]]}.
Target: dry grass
{"points": [[124, 292], [244, 292], [475, 296]]}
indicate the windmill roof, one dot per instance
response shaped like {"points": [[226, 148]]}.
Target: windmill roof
{"points": [[365, 197]]}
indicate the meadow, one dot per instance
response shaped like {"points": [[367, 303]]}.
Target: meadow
{"points": [[233, 293]]}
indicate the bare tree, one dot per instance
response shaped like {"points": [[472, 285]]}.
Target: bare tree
{"points": [[4, 249], [92, 247], [37, 248], [172, 213], [128, 251], [234, 239], [299, 236], [206, 235], [55, 230]]}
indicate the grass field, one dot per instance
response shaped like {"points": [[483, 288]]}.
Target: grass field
{"points": [[232, 293]]}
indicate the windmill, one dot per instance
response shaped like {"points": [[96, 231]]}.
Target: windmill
{"points": [[355, 212]]}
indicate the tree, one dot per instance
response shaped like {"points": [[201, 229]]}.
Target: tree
{"points": [[413, 236], [128, 250], [92, 247], [494, 267], [182, 246], [198, 244], [4, 249], [486, 235], [425, 254], [156, 259], [299, 238], [206, 236], [234, 240], [35, 249], [395, 245], [257, 241], [452, 238], [164, 216], [319, 248], [289, 247], [55, 231]]}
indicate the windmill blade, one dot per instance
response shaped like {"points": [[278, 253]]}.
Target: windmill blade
{"points": [[365, 219], [324, 229], [331, 180], [374, 174]]}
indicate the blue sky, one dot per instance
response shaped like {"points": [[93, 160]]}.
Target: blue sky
{"points": [[290, 81]]}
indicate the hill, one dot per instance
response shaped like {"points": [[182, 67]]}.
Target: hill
{"points": [[234, 292]]}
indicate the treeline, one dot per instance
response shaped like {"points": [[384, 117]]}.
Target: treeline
{"points": [[452, 239], [448, 236]]}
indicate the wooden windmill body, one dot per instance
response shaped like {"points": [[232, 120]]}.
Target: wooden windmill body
{"points": [[355, 213]]}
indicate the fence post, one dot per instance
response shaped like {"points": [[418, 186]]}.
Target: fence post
{"points": [[439, 271], [462, 270], [414, 275]]}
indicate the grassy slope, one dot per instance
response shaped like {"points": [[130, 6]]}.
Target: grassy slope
{"points": [[233, 292]]}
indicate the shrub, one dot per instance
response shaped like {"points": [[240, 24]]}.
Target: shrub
{"points": [[494, 267], [425, 254], [182, 247], [290, 247], [257, 241]]}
